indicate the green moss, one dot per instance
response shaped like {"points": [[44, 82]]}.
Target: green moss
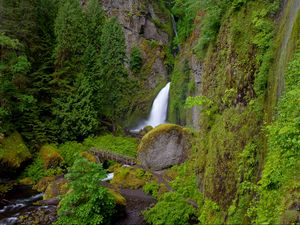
{"points": [[121, 145], [152, 134], [56, 188], [279, 185], [128, 177], [179, 91], [13, 151], [50, 156], [119, 199], [282, 56], [70, 150]]}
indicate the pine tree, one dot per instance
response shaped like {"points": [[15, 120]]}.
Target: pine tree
{"points": [[112, 73], [71, 35], [88, 202]]}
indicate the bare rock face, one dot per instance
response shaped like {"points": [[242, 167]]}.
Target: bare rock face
{"points": [[139, 19], [164, 146]]}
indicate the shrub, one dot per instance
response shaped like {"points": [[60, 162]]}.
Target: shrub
{"points": [[88, 202], [50, 156], [136, 60], [69, 151], [120, 145], [173, 209]]}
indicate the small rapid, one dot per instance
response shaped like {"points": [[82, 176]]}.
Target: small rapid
{"points": [[11, 209], [159, 110]]}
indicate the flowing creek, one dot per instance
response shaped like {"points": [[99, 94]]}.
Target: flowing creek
{"points": [[19, 202]]}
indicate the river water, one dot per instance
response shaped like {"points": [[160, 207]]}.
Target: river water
{"points": [[19, 202]]}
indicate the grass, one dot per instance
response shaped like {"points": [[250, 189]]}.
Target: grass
{"points": [[121, 145]]}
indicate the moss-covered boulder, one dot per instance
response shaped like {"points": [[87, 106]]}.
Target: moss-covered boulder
{"points": [[56, 188], [145, 130], [50, 156], [164, 146], [89, 157], [43, 183], [13, 151], [129, 177]]}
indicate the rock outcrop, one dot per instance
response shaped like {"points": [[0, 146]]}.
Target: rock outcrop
{"points": [[13, 152], [164, 146], [142, 22]]}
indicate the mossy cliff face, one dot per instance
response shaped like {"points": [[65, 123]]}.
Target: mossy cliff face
{"points": [[186, 81], [239, 74], [163, 146], [13, 151], [148, 30]]}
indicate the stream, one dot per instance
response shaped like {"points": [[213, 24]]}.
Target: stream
{"points": [[20, 203]]}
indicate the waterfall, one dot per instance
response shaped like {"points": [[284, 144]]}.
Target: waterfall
{"points": [[159, 110], [176, 33], [283, 57]]}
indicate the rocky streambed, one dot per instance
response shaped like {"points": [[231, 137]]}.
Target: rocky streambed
{"points": [[19, 206]]}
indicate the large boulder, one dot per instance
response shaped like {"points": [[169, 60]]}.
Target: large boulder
{"points": [[50, 156], [164, 146], [13, 152]]}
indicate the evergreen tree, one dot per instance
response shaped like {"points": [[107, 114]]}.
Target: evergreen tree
{"points": [[112, 73], [88, 202], [71, 33], [78, 112]]}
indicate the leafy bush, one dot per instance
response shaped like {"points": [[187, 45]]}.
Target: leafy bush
{"points": [[211, 23], [151, 188], [186, 11], [136, 60], [128, 177], [88, 202], [279, 182], [35, 171], [70, 150], [172, 209]]}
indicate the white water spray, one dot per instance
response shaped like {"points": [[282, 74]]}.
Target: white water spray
{"points": [[158, 114]]}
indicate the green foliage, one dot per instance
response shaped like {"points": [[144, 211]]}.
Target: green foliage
{"points": [[132, 178], [281, 172], [186, 11], [13, 151], [179, 91], [136, 60], [70, 151], [151, 188], [172, 209], [207, 106], [88, 202], [264, 41], [180, 205], [215, 10], [210, 214], [70, 31], [112, 74], [120, 145], [77, 115]]}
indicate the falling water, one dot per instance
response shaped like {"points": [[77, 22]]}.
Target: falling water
{"points": [[158, 114], [176, 34], [283, 57]]}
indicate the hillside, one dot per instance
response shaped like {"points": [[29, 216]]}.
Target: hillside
{"points": [[80, 75]]}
